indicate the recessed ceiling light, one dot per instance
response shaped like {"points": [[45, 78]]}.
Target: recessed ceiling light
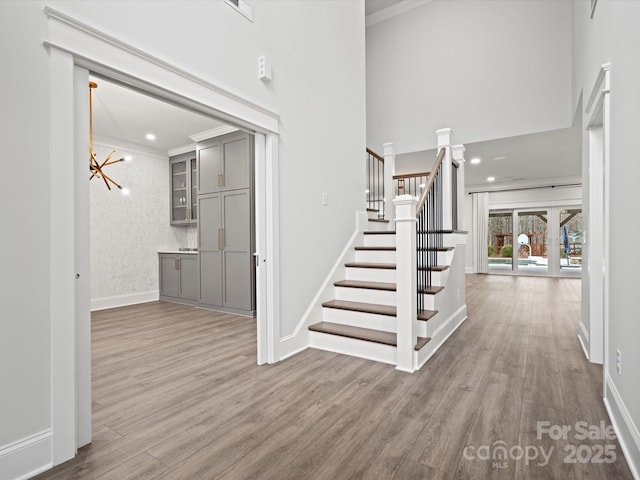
{"points": [[151, 136], [475, 161], [491, 179], [128, 158]]}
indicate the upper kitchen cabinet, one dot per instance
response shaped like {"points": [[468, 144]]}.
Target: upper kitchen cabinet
{"points": [[224, 163], [184, 199]]}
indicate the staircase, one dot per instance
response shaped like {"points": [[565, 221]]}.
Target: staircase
{"points": [[361, 320], [363, 317]]}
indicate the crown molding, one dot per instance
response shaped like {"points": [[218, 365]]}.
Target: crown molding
{"points": [[172, 152], [393, 10], [214, 132]]}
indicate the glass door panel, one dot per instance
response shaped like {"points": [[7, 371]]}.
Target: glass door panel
{"points": [[571, 241], [500, 242], [194, 190], [531, 245], [179, 191]]}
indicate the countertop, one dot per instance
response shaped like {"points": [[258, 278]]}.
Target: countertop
{"points": [[181, 252]]}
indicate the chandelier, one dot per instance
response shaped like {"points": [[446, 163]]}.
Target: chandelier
{"points": [[95, 167]]}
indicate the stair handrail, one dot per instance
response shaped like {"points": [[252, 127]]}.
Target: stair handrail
{"points": [[375, 182], [436, 172]]}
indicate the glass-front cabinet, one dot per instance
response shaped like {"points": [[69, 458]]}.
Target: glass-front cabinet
{"points": [[184, 201]]}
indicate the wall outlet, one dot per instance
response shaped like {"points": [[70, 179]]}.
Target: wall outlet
{"points": [[619, 362], [325, 199]]}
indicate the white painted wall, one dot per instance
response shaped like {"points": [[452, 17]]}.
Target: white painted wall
{"points": [[317, 53], [127, 231], [612, 36], [489, 69], [532, 198]]}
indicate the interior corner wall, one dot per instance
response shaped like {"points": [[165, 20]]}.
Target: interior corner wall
{"points": [[127, 231], [489, 69], [611, 36]]}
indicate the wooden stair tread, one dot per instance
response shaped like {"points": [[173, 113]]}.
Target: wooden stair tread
{"points": [[367, 249], [443, 231], [421, 343], [436, 249], [379, 232], [384, 266], [358, 333], [380, 220], [431, 290], [391, 287], [374, 308], [425, 315], [436, 268], [372, 209]]}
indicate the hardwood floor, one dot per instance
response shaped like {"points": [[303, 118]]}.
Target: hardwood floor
{"points": [[177, 395]]}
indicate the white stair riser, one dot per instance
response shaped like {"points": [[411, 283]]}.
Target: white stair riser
{"points": [[359, 319], [371, 274], [430, 302], [380, 240], [365, 295], [444, 258], [438, 279], [357, 348], [373, 215], [377, 226], [422, 329], [375, 256]]}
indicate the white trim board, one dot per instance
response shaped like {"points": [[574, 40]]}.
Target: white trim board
{"points": [[626, 430], [27, 457], [114, 301], [391, 11]]}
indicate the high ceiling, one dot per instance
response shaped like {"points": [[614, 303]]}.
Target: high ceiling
{"points": [[124, 114], [373, 6], [542, 158]]}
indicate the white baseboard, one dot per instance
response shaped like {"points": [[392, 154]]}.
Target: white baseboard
{"points": [[624, 426], [583, 336], [468, 270], [123, 300], [26, 458]]}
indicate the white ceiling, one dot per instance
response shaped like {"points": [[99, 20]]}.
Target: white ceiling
{"points": [[124, 114], [541, 158], [373, 6]]}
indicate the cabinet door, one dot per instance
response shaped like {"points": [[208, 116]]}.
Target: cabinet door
{"points": [[209, 168], [179, 192], [209, 243], [169, 276], [237, 255], [189, 277], [236, 163]]}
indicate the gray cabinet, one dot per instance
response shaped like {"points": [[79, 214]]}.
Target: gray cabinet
{"points": [[227, 275], [179, 277], [183, 172], [225, 163]]}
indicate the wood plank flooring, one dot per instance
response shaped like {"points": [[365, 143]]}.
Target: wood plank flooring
{"points": [[177, 395]]}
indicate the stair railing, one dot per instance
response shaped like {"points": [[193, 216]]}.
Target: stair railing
{"points": [[429, 229], [375, 196], [411, 183]]}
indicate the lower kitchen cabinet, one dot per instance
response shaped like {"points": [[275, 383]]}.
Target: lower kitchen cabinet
{"points": [[179, 277]]}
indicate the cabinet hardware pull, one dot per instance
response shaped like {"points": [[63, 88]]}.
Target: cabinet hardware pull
{"points": [[221, 179], [177, 264]]}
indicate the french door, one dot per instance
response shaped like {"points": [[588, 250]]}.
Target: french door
{"points": [[536, 241]]}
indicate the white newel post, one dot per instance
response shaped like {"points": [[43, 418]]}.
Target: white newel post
{"points": [[406, 281], [457, 152], [389, 171], [444, 141]]}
